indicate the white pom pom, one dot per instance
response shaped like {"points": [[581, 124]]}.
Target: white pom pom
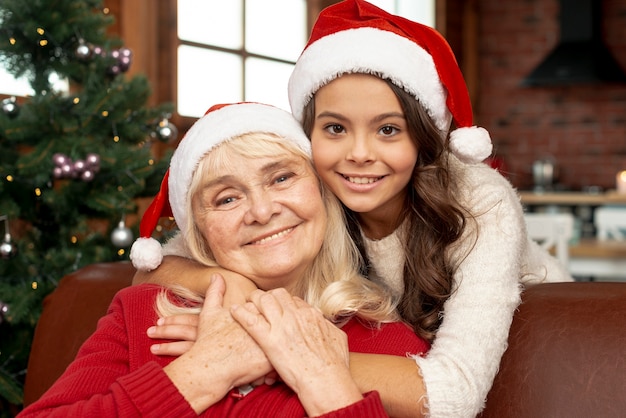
{"points": [[471, 145], [146, 254]]}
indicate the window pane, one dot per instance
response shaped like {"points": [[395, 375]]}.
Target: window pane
{"points": [[276, 28], [11, 86], [211, 22], [207, 77], [266, 81], [420, 11]]}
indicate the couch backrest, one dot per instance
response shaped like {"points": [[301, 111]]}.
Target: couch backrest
{"points": [[566, 355], [70, 314]]}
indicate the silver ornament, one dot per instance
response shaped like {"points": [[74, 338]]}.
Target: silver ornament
{"points": [[10, 107], [83, 50], [122, 236], [4, 311], [167, 131], [7, 248]]}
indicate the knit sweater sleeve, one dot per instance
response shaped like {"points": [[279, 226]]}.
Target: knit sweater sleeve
{"points": [[459, 369], [369, 407], [102, 382]]}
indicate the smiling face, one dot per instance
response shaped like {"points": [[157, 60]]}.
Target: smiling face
{"points": [[261, 217], [362, 149]]}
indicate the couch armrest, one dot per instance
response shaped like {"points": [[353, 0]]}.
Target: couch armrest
{"points": [[70, 314], [566, 354]]}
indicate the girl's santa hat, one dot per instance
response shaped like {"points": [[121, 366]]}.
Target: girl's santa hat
{"points": [[354, 36], [219, 124]]}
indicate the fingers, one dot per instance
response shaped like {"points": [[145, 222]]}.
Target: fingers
{"points": [[215, 293], [186, 332], [176, 348]]}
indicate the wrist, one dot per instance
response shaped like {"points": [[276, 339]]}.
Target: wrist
{"points": [[325, 395], [200, 386]]}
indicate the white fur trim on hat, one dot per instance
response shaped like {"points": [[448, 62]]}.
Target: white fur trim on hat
{"points": [[216, 127], [373, 51], [146, 254], [471, 144]]}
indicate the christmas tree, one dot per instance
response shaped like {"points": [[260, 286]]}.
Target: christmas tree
{"points": [[73, 162]]}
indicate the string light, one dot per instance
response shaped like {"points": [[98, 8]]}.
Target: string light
{"points": [[9, 177], [121, 252], [37, 191], [105, 113], [74, 239], [12, 40], [116, 138], [34, 285], [76, 100], [40, 31]]}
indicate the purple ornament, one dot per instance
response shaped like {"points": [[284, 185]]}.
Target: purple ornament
{"points": [[57, 172], [59, 159], [92, 160], [80, 165], [124, 63], [125, 52], [87, 175], [67, 169]]}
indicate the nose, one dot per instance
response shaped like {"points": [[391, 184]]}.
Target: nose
{"points": [[361, 151], [262, 206]]}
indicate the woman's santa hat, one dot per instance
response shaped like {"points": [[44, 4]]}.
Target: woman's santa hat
{"points": [[219, 124], [354, 36]]}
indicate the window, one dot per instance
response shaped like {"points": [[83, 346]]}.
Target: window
{"points": [[237, 50]]}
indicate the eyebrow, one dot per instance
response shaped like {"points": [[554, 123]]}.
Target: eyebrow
{"points": [[267, 168], [378, 118]]}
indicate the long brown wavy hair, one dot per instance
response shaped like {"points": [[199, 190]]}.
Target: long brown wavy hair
{"points": [[434, 220]]}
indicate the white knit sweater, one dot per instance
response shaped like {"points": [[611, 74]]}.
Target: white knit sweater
{"points": [[462, 363]]}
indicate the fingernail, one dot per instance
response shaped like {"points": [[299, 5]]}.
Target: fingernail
{"points": [[160, 321], [151, 330], [154, 348]]}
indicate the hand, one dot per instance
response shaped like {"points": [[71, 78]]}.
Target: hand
{"points": [[309, 353], [183, 328], [222, 357]]}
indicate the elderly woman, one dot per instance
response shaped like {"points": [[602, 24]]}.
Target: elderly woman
{"points": [[244, 194]]}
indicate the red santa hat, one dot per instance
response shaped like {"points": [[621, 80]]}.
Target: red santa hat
{"points": [[219, 124], [354, 36]]}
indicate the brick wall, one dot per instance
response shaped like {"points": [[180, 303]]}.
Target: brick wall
{"points": [[583, 127]]}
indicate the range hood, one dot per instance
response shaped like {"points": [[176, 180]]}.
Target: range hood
{"points": [[580, 55]]}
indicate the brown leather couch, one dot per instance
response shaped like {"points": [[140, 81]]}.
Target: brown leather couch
{"points": [[566, 354]]}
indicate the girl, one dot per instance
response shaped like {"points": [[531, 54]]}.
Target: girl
{"points": [[390, 121]]}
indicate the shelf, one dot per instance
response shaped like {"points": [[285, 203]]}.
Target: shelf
{"points": [[572, 198], [593, 248]]}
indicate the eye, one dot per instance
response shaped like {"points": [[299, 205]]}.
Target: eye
{"points": [[334, 129], [281, 178], [388, 130], [221, 201]]}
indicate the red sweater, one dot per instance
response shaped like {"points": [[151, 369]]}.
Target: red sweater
{"points": [[115, 374]]}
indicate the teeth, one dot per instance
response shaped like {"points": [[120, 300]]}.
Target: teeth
{"points": [[362, 180], [272, 237]]}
